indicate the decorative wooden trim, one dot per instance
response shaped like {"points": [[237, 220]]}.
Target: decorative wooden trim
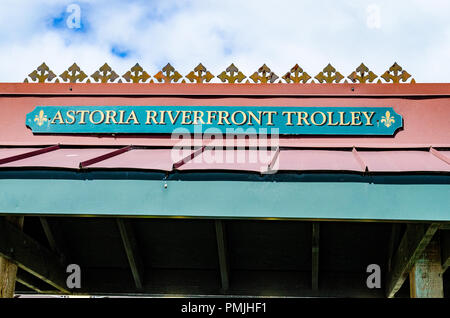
{"points": [[231, 75]]}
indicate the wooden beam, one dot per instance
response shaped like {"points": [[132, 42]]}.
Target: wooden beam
{"points": [[130, 245], [411, 247], [425, 278], [31, 256], [33, 283], [48, 233], [445, 250], [8, 270], [393, 241], [55, 239], [315, 256], [445, 226], [29, 285], [222, 253]]}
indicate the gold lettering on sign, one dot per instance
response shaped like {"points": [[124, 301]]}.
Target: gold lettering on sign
{"points": [[186, 117], [110, 117], [289, 117], [173, 119], [132, 117], [151, 114], [303, 116], [198, 117], [244, 118], [313, 119], [223, 116], [368, 118], [58, 117], [92, 114], [310, 117], [330, 119], [83, 116], [270, 117], [121, 117], [70, 114], [211, 115], [356, 119], [162, 120], [342, 119], [251, 116]]}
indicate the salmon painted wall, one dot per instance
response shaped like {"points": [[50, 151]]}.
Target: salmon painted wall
{"points": [[425, 109]]}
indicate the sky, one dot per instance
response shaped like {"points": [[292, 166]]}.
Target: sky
{"points": [[248, 33]]}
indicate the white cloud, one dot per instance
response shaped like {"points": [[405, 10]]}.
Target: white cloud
{"points": [[373, 16], [416, 34]]}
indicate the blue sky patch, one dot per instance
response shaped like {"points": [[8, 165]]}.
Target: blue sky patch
{"points": [[120, 51]]}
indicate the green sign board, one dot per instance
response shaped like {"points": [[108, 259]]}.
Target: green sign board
{"points": [[214, 119]]}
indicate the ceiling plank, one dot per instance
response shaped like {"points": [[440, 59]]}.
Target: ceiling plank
{"points": [[131, 249]]}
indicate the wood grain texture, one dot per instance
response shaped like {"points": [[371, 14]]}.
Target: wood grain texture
{"points": [[8, 269]]}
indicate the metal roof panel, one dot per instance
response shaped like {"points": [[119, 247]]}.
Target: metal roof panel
{"points": [[403, 161], [308, 160], [149, 159], [61, 158], [231, 159], [168, 159]]}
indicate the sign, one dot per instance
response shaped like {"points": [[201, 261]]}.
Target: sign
{"points": [[214, 119]]}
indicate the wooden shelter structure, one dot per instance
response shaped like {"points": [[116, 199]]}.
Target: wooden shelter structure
{"points": [[308, 219]]}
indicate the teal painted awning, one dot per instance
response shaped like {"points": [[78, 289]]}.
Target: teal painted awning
{"points": [[226, 195]]}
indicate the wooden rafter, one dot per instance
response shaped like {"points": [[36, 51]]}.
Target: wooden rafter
{"points": [[55, 239], [33, 283], [131, 249], [411, 247]]}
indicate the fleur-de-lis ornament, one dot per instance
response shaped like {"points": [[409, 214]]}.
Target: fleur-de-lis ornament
{"points": [[296, 75], [105, 74], [264, 75], [136, 74], [41, 118], [329, 75], [41, 74], [233, 75], [73, 74], [168, 74], [396, 74], [362, 74], [387, 120], [202, 74]]}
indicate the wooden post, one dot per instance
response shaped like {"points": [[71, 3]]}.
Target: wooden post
{"points": [[8, 270], [425, 278], [445, 248], [131, 249], [315, 256], [414, 242], [31, 256]]}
